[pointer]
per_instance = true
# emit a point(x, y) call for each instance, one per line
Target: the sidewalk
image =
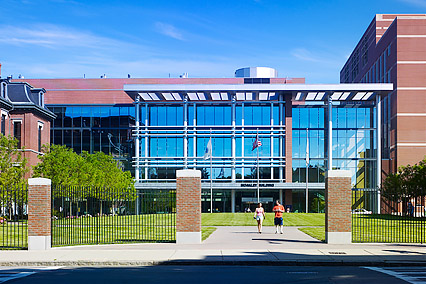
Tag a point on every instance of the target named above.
point(227, 246)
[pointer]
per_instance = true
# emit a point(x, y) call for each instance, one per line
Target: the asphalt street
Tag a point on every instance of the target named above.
point(212, 274)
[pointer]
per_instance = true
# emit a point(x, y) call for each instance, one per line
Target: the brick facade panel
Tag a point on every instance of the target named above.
point(188, 204)
point(338, 204)
point(39, 210)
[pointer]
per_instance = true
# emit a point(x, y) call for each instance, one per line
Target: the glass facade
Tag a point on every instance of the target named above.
point(174, 135)
point(354, 143)
point(104, 128)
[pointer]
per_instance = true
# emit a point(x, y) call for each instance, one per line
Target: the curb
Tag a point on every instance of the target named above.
point(211, 263)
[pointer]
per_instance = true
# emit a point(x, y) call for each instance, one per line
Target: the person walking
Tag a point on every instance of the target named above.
point(259, 215)
point(278, 220)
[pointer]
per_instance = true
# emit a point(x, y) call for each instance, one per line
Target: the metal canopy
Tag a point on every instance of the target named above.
point(256, 92)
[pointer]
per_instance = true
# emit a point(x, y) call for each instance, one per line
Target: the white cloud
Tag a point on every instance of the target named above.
point(420, 3)
point(168, 30)
point(51, 36)
point(304, 54)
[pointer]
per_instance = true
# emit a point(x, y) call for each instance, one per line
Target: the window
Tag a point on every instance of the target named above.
point(3, 90)
point(3, 124)
point(17, 125)
point(40, 127)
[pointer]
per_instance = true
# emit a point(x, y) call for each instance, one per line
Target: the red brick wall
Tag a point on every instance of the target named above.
point(188, 204)
point(338, 204)
point(39, 214)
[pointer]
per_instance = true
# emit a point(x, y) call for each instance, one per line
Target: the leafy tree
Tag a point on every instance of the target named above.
point(65, 167)
point(97, 175)
point(408, 182)
point(13, 165)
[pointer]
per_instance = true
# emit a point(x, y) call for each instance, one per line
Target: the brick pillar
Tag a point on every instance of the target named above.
point(39, 213)
point(188, 206)
point(338, 219)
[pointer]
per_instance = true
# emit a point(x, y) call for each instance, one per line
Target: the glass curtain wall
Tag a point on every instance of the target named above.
point(176, 136)
point(103, 128)
point(354, 147)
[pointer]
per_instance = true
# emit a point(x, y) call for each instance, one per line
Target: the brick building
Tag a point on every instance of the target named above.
point(393, 50)
point(25, 117)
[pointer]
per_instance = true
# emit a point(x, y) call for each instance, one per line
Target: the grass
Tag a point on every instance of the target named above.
point(315, 232)
point(14, 235)
point(380, 229)
point(206, 232)
point(246, 219)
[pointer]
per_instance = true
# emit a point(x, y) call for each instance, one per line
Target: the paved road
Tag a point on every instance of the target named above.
point(206, 275)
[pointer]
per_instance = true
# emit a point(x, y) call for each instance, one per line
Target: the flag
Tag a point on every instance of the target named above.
point(208, 152)
point(256, 143)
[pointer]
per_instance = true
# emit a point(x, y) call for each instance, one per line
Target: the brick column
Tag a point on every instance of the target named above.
point(338, 219)
point(39, 213)
point(188, 206)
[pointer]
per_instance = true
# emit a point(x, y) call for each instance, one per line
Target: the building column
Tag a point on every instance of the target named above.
point(379, 151)
point(289, 197)
point(338, 201)
point(185, 132)
point(281, 197)
point(188, 207)
point(281, 132)
point(137, 141)
point(146, 141)
point(288, 138)
point(330, 134)
point(233, 114)
point(272, 139)
point(233, 200)
point(39, 214)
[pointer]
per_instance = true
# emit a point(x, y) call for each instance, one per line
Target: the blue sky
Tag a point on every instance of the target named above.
point(67, 39)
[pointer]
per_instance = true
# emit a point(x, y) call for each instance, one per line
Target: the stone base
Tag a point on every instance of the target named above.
point(39, 242)
point(338, 237)
point(188, 238)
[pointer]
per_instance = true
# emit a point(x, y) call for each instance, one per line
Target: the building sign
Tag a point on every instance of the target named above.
point(255, 185)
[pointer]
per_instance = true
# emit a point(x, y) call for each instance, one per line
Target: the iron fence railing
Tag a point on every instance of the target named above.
point(13, 217)
point(381, 219)
point(93, 215)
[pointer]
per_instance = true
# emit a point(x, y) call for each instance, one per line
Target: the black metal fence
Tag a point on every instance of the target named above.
point(92, 215)
point(13, 217)
point(376, 218)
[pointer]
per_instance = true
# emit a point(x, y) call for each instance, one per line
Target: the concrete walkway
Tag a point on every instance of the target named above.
point(229, 246)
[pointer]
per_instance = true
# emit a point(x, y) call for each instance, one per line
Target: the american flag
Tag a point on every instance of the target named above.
point(256, 143)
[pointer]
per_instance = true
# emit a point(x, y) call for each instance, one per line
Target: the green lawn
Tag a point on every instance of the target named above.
point(246, 219)
point(206, 232)
point(380, 229)
point(14, 235)
point(315, 232)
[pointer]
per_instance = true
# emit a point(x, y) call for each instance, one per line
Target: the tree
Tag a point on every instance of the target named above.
point(97, 176)
point(65, 167)
point(408, 182)
point(13, 166)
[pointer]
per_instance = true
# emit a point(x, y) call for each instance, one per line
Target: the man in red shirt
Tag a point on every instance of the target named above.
point(278, 221)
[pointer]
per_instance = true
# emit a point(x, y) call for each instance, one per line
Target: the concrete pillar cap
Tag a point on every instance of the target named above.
point(188, 173)
point(338, 173)
point(39, 181)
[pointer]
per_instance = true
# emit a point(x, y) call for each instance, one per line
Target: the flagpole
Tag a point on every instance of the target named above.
point(258, 191)
point(307, 176)
point(211, 173)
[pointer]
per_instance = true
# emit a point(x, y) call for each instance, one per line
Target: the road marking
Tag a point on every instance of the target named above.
point(16, 273)
point(6, 276)
point(404, 273)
